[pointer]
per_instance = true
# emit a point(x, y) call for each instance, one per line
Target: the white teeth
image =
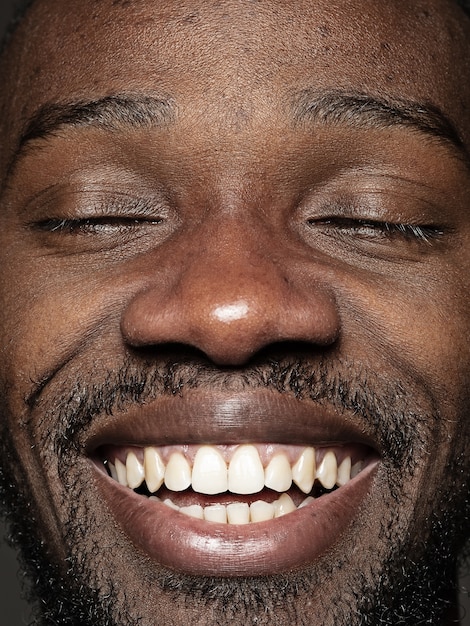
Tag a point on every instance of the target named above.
point(344, 472)
point(135, 471)
point(261, 511)
point(177, 473)
point(216, 513)
point(238, 513)
point(284, 505)
point(328, 471)
point(209, 471)
point(170, 504)
point(112, 471)
point(245, 475)
point(307, 501)
point(303, 472)
point(278, 474)
point(245, 472)
point(121, 473)
point(194, 510)
point(154, 469)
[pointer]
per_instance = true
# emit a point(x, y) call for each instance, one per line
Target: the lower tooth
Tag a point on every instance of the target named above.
point(261, 511)
point(170, 504)
point(283, 505)
point(216, 513)
point(194, 510)
point(238, 513)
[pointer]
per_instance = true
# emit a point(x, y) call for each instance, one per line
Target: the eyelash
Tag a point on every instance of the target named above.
point(389, 230)
point(367, 229)
point(93, 225)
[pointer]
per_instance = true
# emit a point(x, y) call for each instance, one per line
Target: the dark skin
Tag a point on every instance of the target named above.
point(242, 221)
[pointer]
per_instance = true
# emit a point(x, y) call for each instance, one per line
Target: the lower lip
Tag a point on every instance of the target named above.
point(197, 547)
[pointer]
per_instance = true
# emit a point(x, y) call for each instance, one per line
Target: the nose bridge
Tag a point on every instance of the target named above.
point(235, 263)
point(231, 298)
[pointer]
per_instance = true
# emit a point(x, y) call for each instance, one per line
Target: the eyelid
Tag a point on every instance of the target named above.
point(74, 207)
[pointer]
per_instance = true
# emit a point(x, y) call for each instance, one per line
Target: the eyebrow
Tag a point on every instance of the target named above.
point(357, 110)
point(111, 113)
point(363, 111)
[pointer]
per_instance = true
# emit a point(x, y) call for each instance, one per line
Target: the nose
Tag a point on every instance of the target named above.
point(231, 297)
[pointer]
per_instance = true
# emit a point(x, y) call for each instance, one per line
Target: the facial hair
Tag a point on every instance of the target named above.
point(405, 590)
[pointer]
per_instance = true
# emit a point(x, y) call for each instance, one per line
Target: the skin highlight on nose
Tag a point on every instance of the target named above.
point(227, 313)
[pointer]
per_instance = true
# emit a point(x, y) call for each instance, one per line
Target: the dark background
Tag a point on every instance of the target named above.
point(14, 611)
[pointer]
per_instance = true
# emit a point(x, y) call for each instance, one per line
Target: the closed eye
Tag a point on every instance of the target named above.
point(96, 225)
point(372, 229)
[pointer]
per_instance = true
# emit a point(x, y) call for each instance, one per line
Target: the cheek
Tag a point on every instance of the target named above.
point(47, 314)
point(415, 320)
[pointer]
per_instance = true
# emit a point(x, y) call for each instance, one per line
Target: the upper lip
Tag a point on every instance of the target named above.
point(199, 417)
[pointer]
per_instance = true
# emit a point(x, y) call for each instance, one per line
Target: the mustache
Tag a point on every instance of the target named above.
point(393, 412)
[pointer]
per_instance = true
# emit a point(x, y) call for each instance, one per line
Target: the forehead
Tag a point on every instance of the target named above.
point(236, 57)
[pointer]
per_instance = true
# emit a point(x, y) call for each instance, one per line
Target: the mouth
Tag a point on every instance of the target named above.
point(235, 484)
point(194, 503)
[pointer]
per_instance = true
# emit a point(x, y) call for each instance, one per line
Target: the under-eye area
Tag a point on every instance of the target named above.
point(235, 484)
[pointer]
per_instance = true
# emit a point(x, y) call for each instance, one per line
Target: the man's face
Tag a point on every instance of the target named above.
point(238, 234)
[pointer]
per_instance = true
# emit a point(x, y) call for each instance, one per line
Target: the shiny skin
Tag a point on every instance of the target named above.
point(253, 232)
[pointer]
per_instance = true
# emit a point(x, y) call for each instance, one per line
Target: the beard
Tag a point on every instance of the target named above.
point(413, 585)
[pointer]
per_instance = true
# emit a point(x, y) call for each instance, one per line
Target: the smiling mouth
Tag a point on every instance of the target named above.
point(244, 484)
point(235, 484)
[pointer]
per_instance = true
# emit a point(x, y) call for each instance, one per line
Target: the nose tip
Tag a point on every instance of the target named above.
point(230, 289)
point(230, 328)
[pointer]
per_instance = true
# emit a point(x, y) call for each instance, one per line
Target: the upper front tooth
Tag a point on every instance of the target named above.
point(327, 473)
point(209, 471)
point(246, 472)
point(135, 471)
point(154, 469)
point(303, 472)
point(177, 473)
point(278, 474)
